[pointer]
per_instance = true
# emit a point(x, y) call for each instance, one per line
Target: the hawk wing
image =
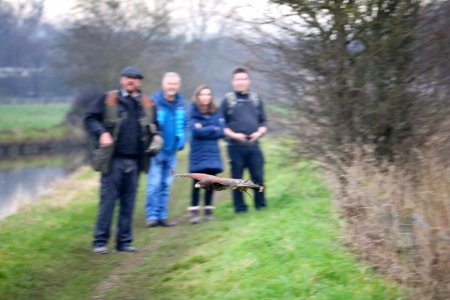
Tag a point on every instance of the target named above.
point(198, 176)
point(218, 183)
point(214, 184)
point(241, 184)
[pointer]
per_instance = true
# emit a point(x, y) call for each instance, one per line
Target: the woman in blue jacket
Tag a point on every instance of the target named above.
point(207, 127)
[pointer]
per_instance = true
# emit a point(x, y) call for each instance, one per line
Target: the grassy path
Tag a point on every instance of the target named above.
point(289, 251)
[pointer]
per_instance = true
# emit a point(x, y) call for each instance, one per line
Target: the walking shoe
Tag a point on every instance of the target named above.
point(100, 249)
point(166, 223)
point(209, 213)
point(152, 223)
point(126, 249)
point(194, 211)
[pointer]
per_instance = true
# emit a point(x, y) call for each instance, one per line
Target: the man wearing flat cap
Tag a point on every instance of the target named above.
point(123, 125)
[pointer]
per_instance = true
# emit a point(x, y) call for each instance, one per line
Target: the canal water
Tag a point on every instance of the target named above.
point(23, 180)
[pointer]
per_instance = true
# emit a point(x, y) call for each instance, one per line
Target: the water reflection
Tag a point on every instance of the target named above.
point(23, 181)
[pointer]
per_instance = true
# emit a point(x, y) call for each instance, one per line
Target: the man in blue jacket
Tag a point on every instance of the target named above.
point(171, 117)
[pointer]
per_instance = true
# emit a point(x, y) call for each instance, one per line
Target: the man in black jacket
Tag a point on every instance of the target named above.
point(245, 124)
point(120, 121)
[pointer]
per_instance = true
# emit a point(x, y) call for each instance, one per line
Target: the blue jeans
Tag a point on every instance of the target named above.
point(120, 183)
point(159, 181)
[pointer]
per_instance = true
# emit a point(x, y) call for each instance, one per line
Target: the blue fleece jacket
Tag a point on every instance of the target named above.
point(171, 116)
point(206, 130)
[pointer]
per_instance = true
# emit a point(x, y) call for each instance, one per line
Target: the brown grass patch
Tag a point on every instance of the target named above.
point(397, 218)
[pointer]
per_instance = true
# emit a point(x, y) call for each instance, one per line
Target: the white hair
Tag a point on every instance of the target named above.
point(171, 75)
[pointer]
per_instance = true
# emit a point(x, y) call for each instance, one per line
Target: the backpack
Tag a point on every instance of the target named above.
point(232, 101)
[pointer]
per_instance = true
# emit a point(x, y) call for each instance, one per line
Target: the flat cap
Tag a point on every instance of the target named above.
point(131, 72)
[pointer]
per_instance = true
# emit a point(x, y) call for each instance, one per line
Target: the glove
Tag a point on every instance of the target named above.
point(156, 145)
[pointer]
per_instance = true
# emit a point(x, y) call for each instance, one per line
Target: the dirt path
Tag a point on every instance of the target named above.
point(135, 259)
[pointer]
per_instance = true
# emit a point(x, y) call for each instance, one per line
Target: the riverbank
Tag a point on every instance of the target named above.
point(23, 180)
point(24, 122)
point(292, 250)
point(69, 141)
point(31, 129)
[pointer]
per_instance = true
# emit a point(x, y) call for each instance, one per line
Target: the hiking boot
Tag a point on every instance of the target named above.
point(152, 223)
point(261, 207)
point(100, 249)
point(166, 223)
point(195, 214)
point(126, 248)
point(208, 212)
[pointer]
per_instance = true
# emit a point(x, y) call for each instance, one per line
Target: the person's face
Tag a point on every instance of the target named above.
point(204, 97)
point(240, 82)
point(130, 84)
point(170, 86)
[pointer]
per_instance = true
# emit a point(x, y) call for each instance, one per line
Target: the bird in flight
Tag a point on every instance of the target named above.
point(214, 183)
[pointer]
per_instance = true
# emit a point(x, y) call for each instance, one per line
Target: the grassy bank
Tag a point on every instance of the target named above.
point(289, 251)
point(69, 159)
point(32, 122)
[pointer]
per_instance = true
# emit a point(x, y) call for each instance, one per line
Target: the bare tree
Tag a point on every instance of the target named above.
point(365, 85)
point(19, 24)
point(104, 37)
point(347, 68)
point(24, 45)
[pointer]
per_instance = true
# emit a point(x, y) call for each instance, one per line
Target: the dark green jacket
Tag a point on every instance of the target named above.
point(131, 122)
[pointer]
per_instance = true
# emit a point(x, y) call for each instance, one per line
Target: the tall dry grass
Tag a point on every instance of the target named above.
point(397, 217)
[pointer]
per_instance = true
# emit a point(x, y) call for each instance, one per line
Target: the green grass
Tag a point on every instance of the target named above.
point(45, 251)
point(289, 251)
point(32, 121)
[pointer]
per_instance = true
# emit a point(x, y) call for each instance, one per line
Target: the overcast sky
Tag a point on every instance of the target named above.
point(56, 11)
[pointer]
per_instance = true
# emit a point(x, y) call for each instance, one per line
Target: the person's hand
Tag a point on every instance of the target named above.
point(156, 145)
point(239, 137)
point(254, 136)
point(105, 140)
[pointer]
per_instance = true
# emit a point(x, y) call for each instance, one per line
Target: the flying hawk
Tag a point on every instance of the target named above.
point(214, 183)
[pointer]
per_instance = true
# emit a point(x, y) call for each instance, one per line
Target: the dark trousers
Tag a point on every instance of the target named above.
point(196, 191)
point(250, 157)
point(119, 183)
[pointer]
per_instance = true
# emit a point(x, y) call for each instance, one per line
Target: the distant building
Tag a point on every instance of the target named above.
point(17, 72)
